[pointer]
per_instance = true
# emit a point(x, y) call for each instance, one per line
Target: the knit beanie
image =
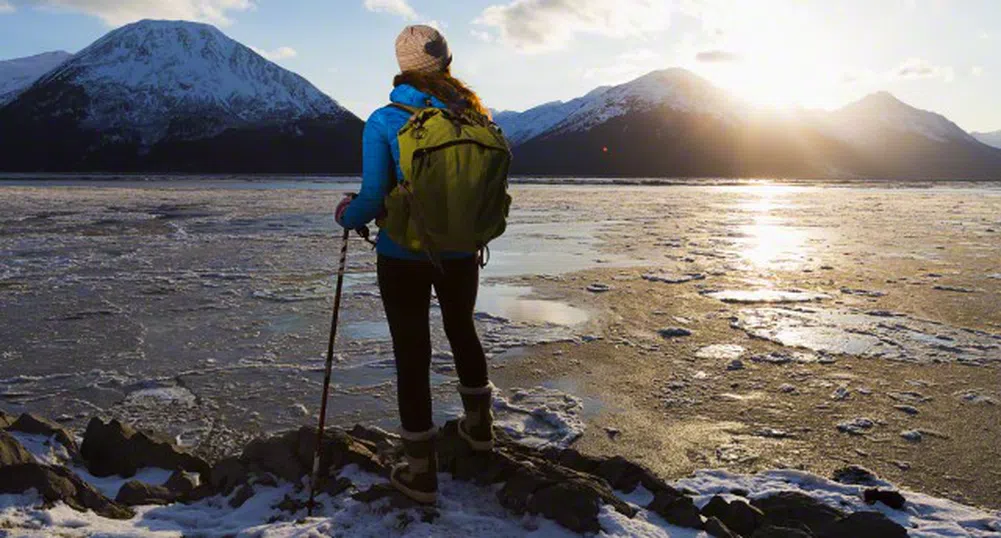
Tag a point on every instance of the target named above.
point(422, 49)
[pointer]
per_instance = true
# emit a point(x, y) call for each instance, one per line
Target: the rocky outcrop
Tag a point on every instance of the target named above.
point(5, 420)
point(11, 451)
point(135, 493)
point(113, 448)
point(33, 424)
point(563, 485)
point(58, 484)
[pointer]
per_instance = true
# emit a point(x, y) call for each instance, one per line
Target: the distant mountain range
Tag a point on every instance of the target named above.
point(183, 97)
point(675, 123)
point(175, 97)
point(18, 74)
point(991, 139)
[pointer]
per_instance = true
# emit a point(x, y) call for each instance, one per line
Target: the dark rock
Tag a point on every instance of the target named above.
point(242, 495)
point(114, 448)
point(890, 498)
point(674, 332)
point(518, 490)
point(336, 486)
point(203, 491)
point(737, 515)
point(620, 473)
point(577, 461)
point(180, 484)
point(278, 455)
point(338, 450)
point(676, 510)
point(11, 451)
point(771, 531)
point(718, 529)
point(57, 484)
point(5, 420)
point(864, 525)
point(227, 474)
point(135, 493)
point(382, 439)
point(795, 510)
point(33, 424)
point(571, 504)
point(855, 475)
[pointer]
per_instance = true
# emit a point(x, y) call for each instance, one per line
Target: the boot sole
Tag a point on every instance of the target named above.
point(478, 446)
point(422, 497)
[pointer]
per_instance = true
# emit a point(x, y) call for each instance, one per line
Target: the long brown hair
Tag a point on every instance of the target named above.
point(448, 89)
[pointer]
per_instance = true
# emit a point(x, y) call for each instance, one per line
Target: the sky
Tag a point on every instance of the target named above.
point(938, 55)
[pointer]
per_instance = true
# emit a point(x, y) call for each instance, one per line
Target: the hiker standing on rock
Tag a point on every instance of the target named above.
point(435, 174)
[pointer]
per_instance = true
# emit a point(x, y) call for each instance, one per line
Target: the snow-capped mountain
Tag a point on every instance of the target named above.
point(159, 93)
point(19, 73)
point(992, 139)
point(870, 118)
point(675, 123)
point(519, 127)
point(141, 77)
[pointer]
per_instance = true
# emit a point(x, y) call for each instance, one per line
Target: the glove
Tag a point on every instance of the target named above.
point(342, 207)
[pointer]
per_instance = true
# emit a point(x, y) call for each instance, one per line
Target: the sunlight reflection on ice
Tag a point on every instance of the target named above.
point(771, 243)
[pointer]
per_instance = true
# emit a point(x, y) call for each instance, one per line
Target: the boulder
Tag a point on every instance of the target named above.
point(136, 493)
point(11, 451)
point(794, 510)
point(33, 424)
point(114, 448)
point(278, 455)
point(58, 484)
point(5, 420)
point(771, 531)
point(717, 528)
point(855, 475)
point(864, 525)
point(571, 504)
point(890, 498)
point(181, 484)
point(227, 474)
point(737, 515)
point(676, 509)
point(242, 495)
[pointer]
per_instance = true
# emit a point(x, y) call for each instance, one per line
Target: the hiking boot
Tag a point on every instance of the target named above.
point(417, 476)
point(477, 426)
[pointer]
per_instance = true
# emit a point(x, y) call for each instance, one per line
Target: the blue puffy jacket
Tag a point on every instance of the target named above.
point(381, 168)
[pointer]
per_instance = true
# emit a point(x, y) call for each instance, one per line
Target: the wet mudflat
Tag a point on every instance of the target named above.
point(744, 327)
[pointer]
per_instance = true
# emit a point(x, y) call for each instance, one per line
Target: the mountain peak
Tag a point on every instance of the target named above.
point(19, 73)
point(141, 78)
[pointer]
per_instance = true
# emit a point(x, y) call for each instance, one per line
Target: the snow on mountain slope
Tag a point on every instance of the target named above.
point(868, 119)
point(19, 73)
point(157, 79)
point(992, 139)
point(674, 88)
point(523, 126)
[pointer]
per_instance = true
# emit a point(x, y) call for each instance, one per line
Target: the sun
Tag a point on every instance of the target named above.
point(779, 57)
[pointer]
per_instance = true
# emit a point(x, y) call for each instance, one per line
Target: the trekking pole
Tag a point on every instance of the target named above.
point(326, 377)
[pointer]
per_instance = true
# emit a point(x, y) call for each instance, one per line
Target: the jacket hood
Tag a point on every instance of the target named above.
point(405, 94)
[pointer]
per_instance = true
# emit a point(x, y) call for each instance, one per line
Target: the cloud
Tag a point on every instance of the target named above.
point(119, 12)
point(977, 70)
point(543, 25)
point(916, 68)
point(6, 7)
point(281, 53)
point(393, 7)
point(718, 56)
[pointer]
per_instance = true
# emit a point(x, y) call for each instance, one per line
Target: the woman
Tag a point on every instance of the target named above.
point(406, 277)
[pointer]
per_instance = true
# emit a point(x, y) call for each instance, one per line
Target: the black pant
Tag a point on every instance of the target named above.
point(405, 286)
